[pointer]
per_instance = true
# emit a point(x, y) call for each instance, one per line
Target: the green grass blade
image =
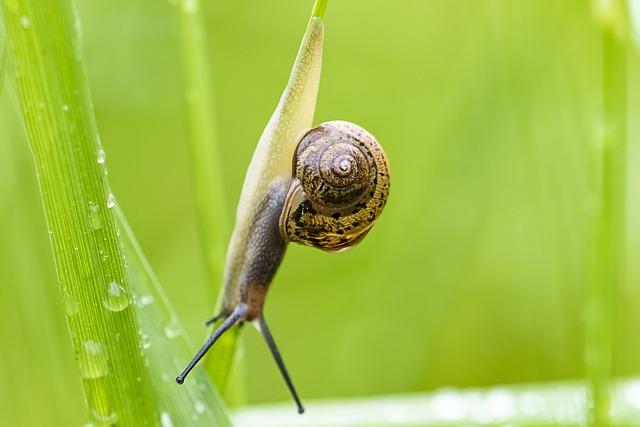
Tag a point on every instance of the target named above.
point(608, 215)
point(211, 208)
point(3, 51)
point(165, 346)
point(40, 352)
point(89, 259)
point(318, 8)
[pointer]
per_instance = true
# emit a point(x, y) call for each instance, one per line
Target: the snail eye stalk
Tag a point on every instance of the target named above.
point(261, 325)
point(237, 314)
point(215, 318)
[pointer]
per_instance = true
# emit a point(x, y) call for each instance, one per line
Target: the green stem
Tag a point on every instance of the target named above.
point(89, 259)
point(319, 8)
point(3, 51)
point(211, 208)
point(607, 247)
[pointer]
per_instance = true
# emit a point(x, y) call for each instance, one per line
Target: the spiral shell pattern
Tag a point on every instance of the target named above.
point(340, 185)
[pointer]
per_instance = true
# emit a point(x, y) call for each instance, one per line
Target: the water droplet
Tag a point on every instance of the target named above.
point(104, 419)
point(117, 298)
point(102, 156)
point(92, 360)
point(25, 21)
point(145, 300)
point(172, 329)
point(199, 407)
point(165, 420)
point(145, 341)
point(111, 201)
point(65, 108)
point(94, 212)
point(70, 305)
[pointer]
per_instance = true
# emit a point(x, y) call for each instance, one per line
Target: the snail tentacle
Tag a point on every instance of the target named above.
point(261, 325)
point(238, 314)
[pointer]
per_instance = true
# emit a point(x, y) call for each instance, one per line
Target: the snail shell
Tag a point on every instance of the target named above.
point(340, 185)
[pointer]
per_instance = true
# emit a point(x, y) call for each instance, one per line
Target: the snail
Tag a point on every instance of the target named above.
point(337, 189)
point(323, 187)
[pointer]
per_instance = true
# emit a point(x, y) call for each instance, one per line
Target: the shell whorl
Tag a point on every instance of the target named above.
point(340, 185)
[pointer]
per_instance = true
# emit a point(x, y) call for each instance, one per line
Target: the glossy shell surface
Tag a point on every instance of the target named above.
point(340, 186)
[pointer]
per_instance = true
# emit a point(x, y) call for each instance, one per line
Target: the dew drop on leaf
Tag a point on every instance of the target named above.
point(104, 419)
point(117, 298)
point(145, 300)
point(92, 360)
point(101, 156)
point(172, 329)
point(145, 341)
point(94, 213)
point(70, 304)
point(111, 201)
point(199, 407)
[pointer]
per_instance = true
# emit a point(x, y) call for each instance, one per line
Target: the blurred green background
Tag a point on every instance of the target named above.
point(474, 275)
